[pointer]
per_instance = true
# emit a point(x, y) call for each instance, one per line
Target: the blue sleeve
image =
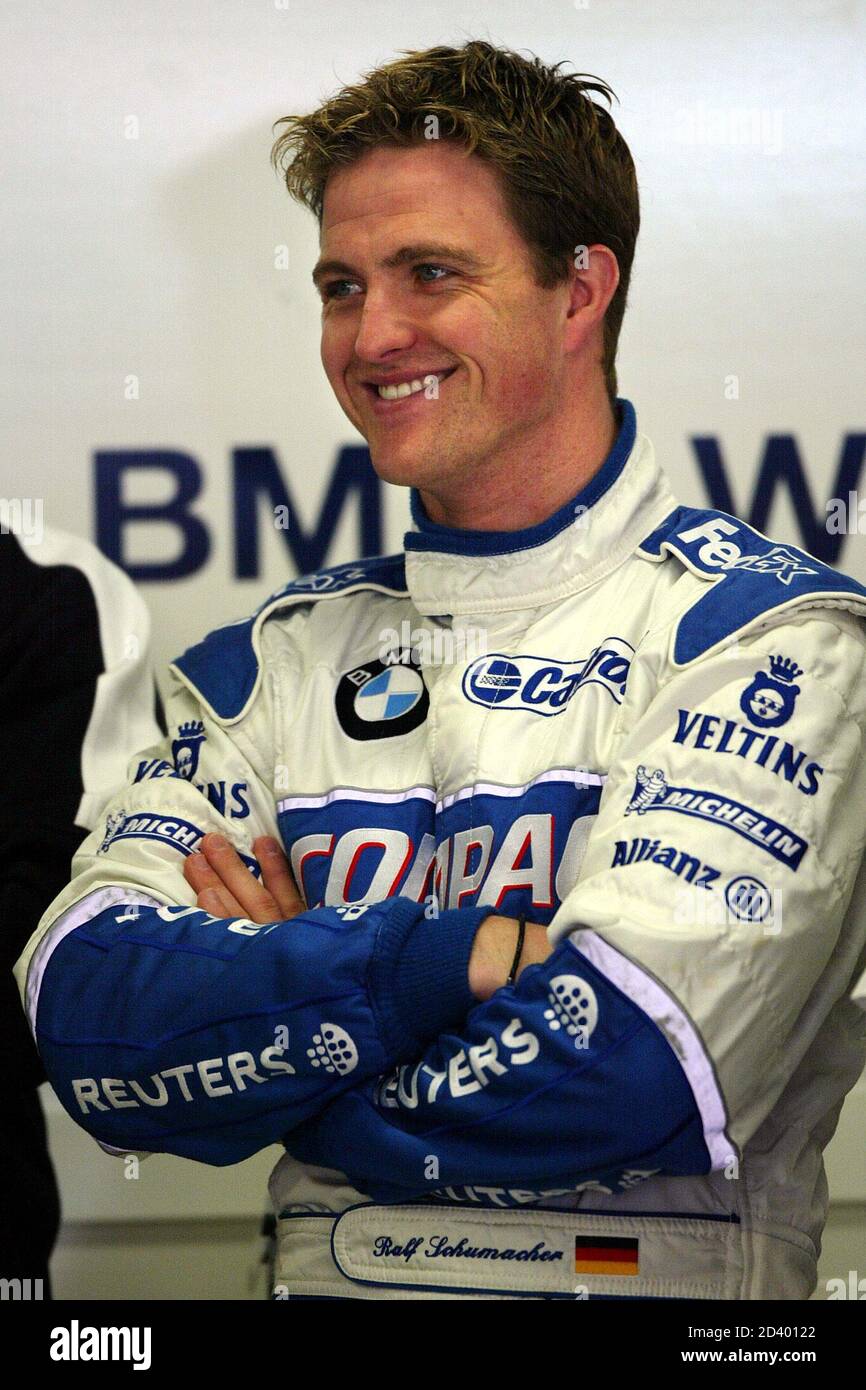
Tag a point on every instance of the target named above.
point(558, 1081)
point(169, 1030)
point(344, 1033)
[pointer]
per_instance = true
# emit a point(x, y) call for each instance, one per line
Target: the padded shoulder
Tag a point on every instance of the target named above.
point(223, 670)
point(748, 578)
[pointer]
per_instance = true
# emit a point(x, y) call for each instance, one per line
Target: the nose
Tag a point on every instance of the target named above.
point(384, 327)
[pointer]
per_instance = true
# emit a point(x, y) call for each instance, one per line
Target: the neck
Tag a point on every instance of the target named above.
point(527, 483)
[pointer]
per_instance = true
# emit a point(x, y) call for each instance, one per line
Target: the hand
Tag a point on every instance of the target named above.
point(225, 887)
point(493, 953)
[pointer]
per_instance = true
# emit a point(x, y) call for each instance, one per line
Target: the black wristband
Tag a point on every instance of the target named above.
point(521, 933)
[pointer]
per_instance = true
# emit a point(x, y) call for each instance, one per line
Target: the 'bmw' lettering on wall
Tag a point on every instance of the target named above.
point(382, 699)
point(544, 685)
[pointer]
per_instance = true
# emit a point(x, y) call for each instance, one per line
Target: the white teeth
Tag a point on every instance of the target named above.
point(406, 388)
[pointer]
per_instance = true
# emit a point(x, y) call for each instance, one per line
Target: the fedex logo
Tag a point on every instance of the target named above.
point(710, 546)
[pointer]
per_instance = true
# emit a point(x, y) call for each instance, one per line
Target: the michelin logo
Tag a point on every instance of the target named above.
point(652, 793)
point(182, 835)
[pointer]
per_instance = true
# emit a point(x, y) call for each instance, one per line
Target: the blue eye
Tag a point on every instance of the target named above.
point(428, 266)
point(333, 289)
point(329, 290)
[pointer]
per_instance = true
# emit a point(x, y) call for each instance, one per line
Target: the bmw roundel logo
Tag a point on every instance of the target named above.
point(382, 699)
point(492, 680)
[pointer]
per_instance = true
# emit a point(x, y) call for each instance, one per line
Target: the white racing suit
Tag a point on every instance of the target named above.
point(638, 722)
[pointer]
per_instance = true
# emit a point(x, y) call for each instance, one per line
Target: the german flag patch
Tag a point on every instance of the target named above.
point(605, 1255)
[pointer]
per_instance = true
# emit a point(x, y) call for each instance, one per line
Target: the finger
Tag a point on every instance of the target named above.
point(198, 873)
point(217, 904)
point(234, 877)
point(278, 877)
point(203, 879)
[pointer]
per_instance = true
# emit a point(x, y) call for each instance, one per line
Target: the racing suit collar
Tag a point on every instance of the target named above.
point(449, 570)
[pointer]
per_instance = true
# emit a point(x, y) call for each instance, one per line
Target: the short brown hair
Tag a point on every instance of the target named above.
point(566, 173)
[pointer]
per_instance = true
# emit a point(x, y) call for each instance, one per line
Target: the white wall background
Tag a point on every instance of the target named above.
point(154, 257)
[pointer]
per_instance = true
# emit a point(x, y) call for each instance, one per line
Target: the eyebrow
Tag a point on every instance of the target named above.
point(422, 251)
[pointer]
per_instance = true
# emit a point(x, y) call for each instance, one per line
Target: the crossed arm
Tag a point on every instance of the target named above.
point(188, 1021)
point(507, 1097)
point(226, 888)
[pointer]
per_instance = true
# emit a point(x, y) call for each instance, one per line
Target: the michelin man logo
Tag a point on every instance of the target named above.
point(112, 825)
point(333, 1050)
point(186, 747)
point(574, 1008)
point(648, 787)
point(769, 700)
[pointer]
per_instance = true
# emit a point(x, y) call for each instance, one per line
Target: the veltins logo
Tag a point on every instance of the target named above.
point(769, 700)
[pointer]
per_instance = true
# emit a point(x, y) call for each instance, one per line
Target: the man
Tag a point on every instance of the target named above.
point(566, 1012)
point(77, 697)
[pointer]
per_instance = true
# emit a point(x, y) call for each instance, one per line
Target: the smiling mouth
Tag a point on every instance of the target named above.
point(400, 391)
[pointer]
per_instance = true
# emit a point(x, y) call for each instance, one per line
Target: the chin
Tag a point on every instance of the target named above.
point(399, 471)
point(394, 460)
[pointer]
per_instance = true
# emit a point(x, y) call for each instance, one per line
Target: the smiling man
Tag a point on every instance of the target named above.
point(469, 380)
point(538, 962)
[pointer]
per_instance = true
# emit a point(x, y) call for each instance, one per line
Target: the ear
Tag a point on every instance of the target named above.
point(593, 279)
